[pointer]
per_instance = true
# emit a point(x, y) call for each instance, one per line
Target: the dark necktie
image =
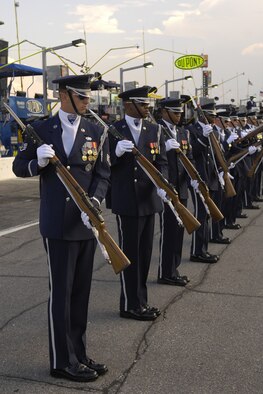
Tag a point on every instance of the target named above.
point(136, 122)
point(72, 118)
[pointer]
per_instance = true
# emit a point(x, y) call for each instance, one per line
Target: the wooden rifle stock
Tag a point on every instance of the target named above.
point(190, 222)
point(255, 164)
point(215, 213)
point(229, 188)
point(115, 256)
point(250, 135)
point(238, 156)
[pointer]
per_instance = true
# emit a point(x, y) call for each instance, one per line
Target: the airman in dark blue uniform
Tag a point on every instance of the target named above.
point(69, 244)
point(172, 233)
point(199, 133)
point(134, 199)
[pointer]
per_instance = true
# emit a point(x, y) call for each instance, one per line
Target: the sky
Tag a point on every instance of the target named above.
point(228, 31)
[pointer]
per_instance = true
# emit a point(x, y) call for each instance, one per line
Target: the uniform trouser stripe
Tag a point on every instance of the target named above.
point(200, 237)
point(70, 265)
point(161, 244)
point(119, 224)
point(135, 238)
point(245, 198)
point(195, 202)
point(51, 323)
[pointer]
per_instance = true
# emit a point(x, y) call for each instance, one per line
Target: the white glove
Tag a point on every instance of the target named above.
point(162, 194)
point(207, 129)
point(221, 178)
point(252, 149)
point(232, 138)
point(44, 153)
point(85, 220)
point(243, 133)
point(123, 146)
point(171, 144)
point(195, 184)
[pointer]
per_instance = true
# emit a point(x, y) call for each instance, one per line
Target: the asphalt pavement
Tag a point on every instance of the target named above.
point(208, 339)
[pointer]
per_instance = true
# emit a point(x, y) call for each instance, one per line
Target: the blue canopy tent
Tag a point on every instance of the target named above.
point(24, 107)
point(18, 70)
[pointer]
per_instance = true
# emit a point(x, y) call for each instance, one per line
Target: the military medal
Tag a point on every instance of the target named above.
point(89, 152)
point(184, 146)
point(154, 150)
point(86, 151)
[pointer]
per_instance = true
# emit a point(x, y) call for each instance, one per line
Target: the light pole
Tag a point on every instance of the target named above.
point(111, 49)
point(206, 87)
point(74, 43)
point(187, 78)
point(122, 70)
point(16, 5)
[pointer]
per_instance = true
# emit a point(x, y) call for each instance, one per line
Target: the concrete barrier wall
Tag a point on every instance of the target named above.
point(6, 168)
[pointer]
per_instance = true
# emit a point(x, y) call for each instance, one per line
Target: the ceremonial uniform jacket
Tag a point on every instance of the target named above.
point(177, 174)
point(203, 156)
point(248, 159)
point(59, 216)
point(231, 149)
point(132, 191)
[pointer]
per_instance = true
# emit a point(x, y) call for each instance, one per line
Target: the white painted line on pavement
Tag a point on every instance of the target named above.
point(17, 228)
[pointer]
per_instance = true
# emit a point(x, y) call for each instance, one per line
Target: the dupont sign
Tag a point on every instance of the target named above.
point(188, 62)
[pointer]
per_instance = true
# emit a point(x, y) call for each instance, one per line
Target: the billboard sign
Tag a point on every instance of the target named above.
point(189, 62)
point(26, 107)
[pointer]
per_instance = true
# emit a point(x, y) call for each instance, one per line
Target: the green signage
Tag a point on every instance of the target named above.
point(188, 62)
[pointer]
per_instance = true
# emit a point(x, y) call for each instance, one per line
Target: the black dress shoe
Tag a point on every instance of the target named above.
point(78, 373)
point(139, 314)
point(153, 309)
point(221, 240)
point(252, 206)
point(101, 369)
point(204, 258)
point(175, 281)
point(233, 226)
point(242, 216)
point(215, 256)
point(181, 280)
point(186, 278)
point(258, 199)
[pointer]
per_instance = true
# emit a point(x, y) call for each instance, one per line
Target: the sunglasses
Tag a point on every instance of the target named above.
point(80, 97)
